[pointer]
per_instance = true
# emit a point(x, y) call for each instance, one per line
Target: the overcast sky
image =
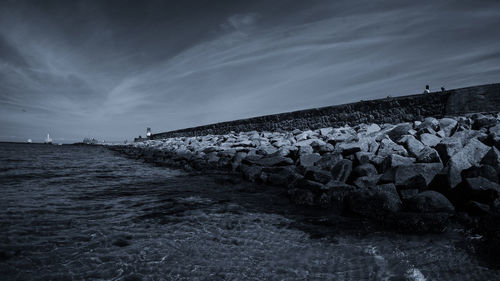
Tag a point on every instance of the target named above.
point(109, 69)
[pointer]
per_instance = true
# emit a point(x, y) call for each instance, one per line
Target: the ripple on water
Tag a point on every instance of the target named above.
point(122, 219)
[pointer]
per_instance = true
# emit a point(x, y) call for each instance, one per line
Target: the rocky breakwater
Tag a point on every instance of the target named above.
point(413, 176)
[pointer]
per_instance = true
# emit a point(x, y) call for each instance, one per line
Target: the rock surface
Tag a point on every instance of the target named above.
point(369, 170)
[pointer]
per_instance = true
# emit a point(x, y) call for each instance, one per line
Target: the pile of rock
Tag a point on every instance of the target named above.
point(423, 169)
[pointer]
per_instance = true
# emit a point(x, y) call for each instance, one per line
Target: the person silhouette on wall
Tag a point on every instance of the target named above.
point(427, 90)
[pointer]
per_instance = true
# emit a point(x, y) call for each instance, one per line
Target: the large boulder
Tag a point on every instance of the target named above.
point(362, 143)
point(308, 160)
point(470, 155)
point(325, 131)
point(429, 122)
point(251, 173)
point(375, 202)
point(328, 160)
point(429, 202)
point(476, 189)
point(492, 157)
point(338, 192)
point(430, 139)
point(397, 132)
point(395, 160)
point(428, 155)
point(317, 174)
point(413, 145)
point(486, 171)
point(428, 171)
point(363, 157)
point(342, 170)
point(449, 147)
point(313, 186)
point(447, 125)
point(481, 121)
point(367, 181)
point(388, 147)
point(266, 150)
point(364, 170)
point(274, 161)
point(281, 176)
point(476, 209)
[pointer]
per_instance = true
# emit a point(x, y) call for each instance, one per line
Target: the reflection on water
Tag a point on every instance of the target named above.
point(86, 213)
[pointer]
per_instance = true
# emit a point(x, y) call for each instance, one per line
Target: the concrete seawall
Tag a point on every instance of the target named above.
point(483, 98)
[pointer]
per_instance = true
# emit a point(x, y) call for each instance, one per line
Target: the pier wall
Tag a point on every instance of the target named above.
point(483, 98)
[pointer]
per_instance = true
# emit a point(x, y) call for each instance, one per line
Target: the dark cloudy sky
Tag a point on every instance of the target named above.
point(110, 69)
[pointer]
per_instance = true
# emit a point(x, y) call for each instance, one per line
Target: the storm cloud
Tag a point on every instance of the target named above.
point(109, 69)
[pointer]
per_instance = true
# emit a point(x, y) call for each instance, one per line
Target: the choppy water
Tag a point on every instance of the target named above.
point(85, 213)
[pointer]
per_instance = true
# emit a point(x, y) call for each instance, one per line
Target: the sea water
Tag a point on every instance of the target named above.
point(86, 213)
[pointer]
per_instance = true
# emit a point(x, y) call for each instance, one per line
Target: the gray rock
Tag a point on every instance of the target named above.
point(375, 202)
point(364, 170)
point(274, 161)
point(485, 171)
point(467, 135)
point(395, 160)
point(388, 147)
point(313, 186)
point(281, 176)
point(326, 148)
point(325, 131)
point(492, 157)
point(328, 160)
point(367, 181)
point(469, 156)
point(397, 132)
point(449, 147)
point(406, 194)
point(251, 173)
point(426, 170)
point(317, 174)
point(363, 157)
point(342, 170)
point(417, 182)
point(212, 157)
point(413, 145)
point(495, 130)
point(429, 202)
point(441, 134)
point(266, 150)
point(308, 160)
point(430, 139)
point(477, 189)
point(476, 209)
point(337, 193)
point(349, 148)
point(429, 122)
point(484, 122)
point(428, 155)
point(447, 125)
point(373, 128)
point(305, 149)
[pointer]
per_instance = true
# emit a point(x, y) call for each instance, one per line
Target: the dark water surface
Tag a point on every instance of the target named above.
point(85, 213)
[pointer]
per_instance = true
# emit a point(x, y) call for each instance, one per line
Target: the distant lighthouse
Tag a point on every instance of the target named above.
point(48, 140)
point(148, 132)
